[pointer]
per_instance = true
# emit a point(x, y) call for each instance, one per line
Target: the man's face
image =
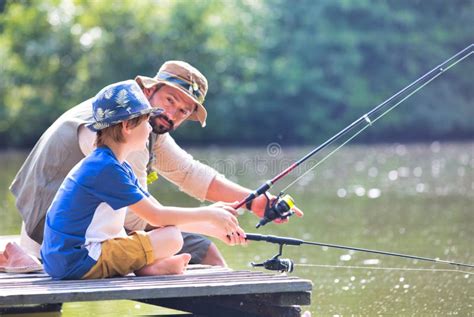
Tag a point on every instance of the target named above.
point(176, 105)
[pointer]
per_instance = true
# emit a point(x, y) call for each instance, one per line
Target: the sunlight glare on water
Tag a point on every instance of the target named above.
point(371, 262)
point(341, 193)
point(393, 175)
point(424, 197)
point(345, 257)
point(359, 191)
point(374, 193)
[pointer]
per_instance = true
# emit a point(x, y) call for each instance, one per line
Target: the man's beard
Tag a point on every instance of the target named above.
point(159, 128)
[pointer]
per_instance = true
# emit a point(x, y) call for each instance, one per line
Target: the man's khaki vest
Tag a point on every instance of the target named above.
point(48, 164)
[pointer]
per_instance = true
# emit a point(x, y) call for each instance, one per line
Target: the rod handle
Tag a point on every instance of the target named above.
point(273, 239)
point(262, 189)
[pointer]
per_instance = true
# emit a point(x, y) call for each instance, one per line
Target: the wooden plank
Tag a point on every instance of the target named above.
point(278, 299)
point(47, 295)
point(26, 279)
point(229, 306)
point(273, 299)
point(189, 277)
point(206, 290)
point(43, 290)
point(30, 309)
point(17, 276)
point(134, 283)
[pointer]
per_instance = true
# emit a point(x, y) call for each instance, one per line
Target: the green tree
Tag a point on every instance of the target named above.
point(287, 71)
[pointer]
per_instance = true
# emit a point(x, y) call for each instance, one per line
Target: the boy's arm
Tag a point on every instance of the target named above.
point(208, 229)
point(219, 218)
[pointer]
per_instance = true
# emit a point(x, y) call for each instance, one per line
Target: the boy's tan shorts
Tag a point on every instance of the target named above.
point(121, 256)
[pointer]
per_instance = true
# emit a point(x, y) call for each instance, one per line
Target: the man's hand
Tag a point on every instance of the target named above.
point(259, 204)
point(222, 189)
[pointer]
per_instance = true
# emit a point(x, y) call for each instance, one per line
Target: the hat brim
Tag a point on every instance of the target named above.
point(96, 126)
point(199, 115)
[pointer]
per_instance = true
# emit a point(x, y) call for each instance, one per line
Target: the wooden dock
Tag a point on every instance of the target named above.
point(202, 291)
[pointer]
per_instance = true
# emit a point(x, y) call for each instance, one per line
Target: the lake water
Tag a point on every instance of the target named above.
point(412, 199)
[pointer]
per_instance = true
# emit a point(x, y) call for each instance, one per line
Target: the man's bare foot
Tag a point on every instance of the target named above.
point(14, 259)
point(175, 264)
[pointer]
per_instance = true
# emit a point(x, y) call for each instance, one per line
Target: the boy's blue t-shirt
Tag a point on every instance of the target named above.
point(88, 209)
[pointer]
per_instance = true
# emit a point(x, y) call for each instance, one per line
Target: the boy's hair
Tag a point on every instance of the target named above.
point(114, 133)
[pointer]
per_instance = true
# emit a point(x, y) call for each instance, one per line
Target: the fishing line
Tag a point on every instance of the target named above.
point(286, 265)
point(280, 207)
point(370, 122)
point(381, 268)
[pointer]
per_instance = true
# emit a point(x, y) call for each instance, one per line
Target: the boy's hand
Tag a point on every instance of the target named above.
point(222, 217)
point(238, 238)
point(227, 206)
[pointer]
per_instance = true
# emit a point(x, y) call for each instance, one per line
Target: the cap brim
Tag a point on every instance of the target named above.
point(199, 115)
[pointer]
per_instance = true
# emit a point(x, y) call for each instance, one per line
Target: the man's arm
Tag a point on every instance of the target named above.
point(179, 167)
point(222, 189)
point(86, 139)
point(200, 180)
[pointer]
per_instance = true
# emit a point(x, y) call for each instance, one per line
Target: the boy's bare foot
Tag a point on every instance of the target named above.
point(14, 259)
point(175, 264)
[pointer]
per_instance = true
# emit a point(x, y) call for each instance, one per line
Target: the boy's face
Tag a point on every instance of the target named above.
point(139, 135)
point(177, 108)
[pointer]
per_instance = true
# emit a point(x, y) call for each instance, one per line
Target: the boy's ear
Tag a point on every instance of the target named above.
point(126, 129)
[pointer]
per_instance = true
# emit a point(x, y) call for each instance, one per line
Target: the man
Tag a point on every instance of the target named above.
point(179, 89)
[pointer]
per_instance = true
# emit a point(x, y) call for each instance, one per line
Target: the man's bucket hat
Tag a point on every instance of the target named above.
point(117, 103)
point(187, 79)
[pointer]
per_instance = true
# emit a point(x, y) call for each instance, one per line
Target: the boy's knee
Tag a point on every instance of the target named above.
point(176, 237)
point(167, 238)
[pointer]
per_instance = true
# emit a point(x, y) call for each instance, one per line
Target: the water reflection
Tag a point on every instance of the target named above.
point(371, 262)
point(374, 193)
point(345, 257)
point(412, 199)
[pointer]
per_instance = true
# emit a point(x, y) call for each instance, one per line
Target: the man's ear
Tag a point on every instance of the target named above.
point(148, 91)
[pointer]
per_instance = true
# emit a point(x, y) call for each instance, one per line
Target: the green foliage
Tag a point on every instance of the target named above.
point(288, 71)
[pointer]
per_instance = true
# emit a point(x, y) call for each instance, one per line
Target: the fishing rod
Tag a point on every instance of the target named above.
point(287, 265)
point(280, 207)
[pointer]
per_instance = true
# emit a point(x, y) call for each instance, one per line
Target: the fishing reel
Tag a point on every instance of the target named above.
point(277, 264)
point(279, 208)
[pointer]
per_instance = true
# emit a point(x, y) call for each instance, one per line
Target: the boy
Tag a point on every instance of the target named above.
point(84, 235)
